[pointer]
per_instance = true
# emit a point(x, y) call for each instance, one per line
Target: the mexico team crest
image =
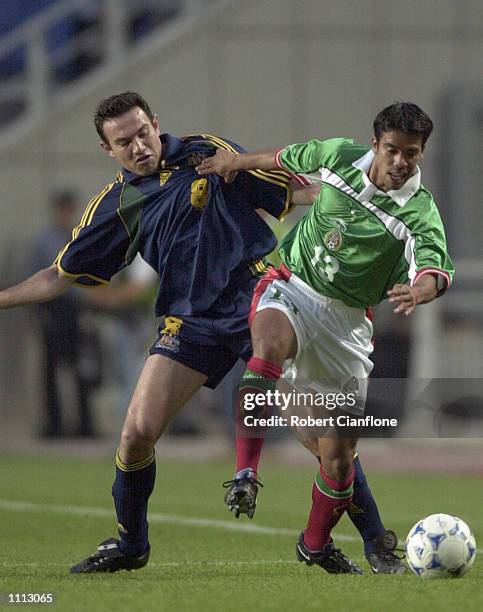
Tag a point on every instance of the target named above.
point(333, 240)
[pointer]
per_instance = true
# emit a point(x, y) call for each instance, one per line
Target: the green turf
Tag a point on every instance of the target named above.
point(201, 568)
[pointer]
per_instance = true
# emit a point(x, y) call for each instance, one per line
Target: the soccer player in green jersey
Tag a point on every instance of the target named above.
point(374, 232)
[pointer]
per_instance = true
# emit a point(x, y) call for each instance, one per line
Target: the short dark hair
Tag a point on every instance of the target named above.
point(117, 105)
point(405, 117)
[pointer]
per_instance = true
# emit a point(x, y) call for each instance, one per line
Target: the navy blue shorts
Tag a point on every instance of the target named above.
point(210, 343)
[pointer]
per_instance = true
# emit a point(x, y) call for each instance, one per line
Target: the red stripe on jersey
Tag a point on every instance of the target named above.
point(424, 271)
point(277, 159)
point(301, 180)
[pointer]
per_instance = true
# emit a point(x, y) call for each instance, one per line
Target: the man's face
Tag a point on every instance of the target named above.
point(397, 155)
point(134, 141)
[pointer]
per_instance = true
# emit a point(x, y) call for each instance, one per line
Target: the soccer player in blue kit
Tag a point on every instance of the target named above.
point(207, 242)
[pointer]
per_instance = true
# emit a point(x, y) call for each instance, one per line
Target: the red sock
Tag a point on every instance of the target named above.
point(259, 376)
point(329, 502)
point(248, 451)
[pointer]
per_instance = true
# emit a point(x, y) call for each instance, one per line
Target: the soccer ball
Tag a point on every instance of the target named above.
point(440, 546)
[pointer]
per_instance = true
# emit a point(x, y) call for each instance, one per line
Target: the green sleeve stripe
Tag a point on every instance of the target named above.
point(130, 208)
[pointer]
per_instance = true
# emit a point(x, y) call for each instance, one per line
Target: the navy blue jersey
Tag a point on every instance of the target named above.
point(198, 233)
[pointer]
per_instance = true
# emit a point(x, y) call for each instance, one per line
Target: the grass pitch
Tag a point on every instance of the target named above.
point(53, 512)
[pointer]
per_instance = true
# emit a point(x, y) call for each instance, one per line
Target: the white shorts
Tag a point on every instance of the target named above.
point(333, 340)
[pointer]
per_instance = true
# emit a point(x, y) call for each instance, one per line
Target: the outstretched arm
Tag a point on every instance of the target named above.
point(303, 196)
point(228, 164)
point(224, 162)
point(42, 286)
point(407, 298)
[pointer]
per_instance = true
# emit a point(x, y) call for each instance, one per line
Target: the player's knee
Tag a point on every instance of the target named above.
point(271, 347)
point(138, 439)
point(338, 467)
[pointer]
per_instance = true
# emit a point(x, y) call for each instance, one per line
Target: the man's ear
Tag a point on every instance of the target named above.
point(155, 123)
point(106, 148)
point(375, 144)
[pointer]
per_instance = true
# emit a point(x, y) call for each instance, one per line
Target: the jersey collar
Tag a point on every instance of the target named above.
point(400, 196)
point(171, 146)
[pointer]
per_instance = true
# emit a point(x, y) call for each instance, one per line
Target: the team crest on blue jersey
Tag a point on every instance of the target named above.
point(164, 177)
point(333, 240)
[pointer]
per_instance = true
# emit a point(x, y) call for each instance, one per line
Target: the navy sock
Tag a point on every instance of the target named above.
point(363, 510)
point(132, 487)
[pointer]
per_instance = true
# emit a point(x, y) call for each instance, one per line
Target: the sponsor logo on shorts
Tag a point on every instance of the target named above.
point(168, 342)
point(277, 296)
point(351, 385)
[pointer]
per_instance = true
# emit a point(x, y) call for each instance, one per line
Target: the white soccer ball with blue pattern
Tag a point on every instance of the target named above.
point(440, 546)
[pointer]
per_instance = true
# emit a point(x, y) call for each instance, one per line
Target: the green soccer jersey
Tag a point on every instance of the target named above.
point(356, 242)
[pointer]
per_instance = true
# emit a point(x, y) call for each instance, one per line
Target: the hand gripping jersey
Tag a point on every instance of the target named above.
point(356, 242)
point(198, 233)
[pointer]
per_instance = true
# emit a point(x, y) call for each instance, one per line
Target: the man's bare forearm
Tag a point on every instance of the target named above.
point(407, 298)
point(224, 162)
point(258, 160)
point(303, 196)
point(42, 286)
point(427, 288)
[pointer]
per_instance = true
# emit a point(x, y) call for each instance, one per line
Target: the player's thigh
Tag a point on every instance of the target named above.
point(163, 388)
point(273, 336)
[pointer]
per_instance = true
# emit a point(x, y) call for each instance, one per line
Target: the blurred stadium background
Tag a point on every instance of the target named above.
point(263, 73)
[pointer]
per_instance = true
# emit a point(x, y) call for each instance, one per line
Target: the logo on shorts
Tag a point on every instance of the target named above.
point(168, 342)
point(168, 337)
point(333, 240)
point(277, 296)
point(351, 385)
